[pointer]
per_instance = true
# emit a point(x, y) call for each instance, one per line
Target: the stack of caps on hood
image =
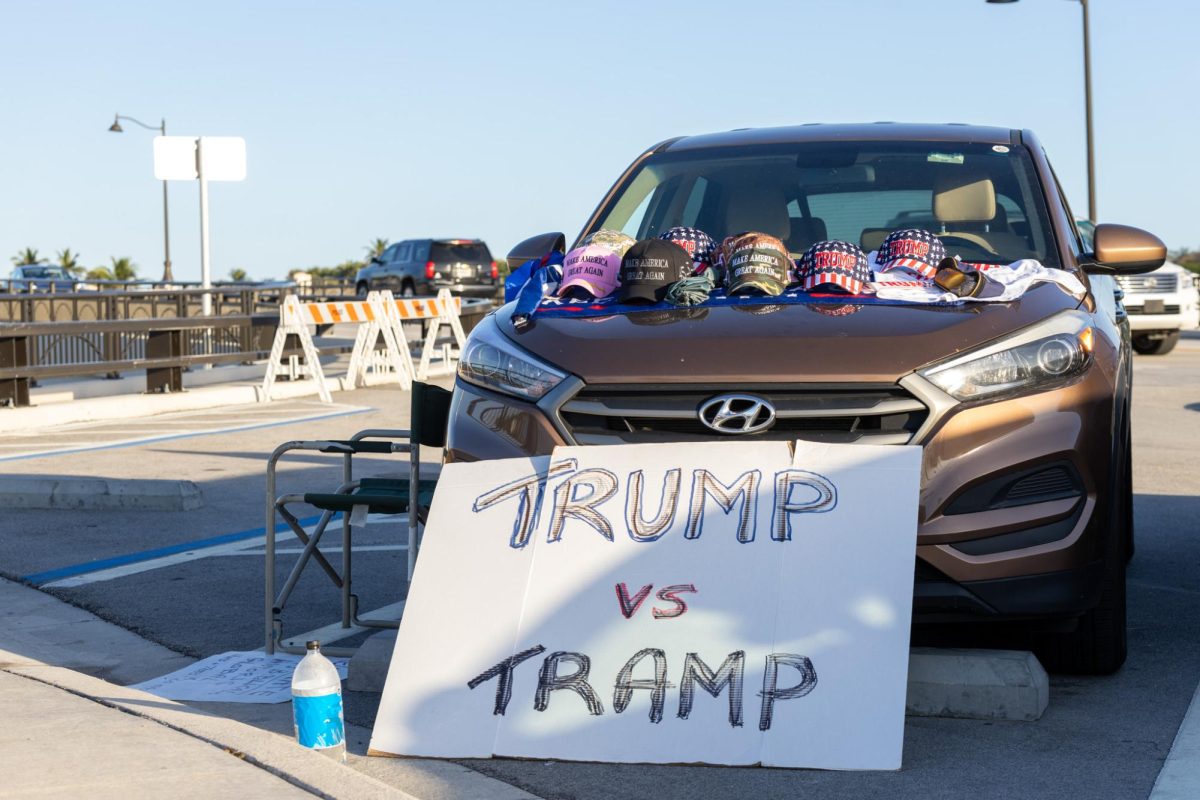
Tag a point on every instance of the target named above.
point(834, 265)
point(698, 244)
point(911, 250)
point(755, 263)
point(594, 266)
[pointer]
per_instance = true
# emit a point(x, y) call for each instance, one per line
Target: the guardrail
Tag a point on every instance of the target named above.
point(161, 347)
point(155, 301)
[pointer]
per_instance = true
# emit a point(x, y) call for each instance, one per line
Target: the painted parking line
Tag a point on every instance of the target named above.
point(231, 544)
point(334, 632)
point(1179, 778)
point(131, 563)
point(295, 551)
point(44, 452)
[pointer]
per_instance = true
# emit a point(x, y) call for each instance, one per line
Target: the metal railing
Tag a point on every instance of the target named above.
point(161, 347)
point(145, 300)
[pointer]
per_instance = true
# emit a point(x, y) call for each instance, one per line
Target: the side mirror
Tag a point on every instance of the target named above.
point(535, 247)
point(375, 260)
point(1122, 250)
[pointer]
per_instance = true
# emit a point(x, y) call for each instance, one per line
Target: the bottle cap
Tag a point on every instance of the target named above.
point(313, 645)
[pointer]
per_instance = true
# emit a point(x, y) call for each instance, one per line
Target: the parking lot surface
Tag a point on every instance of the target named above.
point(192, 580)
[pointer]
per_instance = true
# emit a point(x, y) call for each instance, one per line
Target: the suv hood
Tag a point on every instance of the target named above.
point(877, 343)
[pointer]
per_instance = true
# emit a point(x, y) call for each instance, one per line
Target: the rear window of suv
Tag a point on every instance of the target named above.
point(984, 200)
point(467, 252)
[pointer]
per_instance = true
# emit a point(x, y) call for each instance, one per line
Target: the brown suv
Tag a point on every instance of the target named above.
point(1021, 408)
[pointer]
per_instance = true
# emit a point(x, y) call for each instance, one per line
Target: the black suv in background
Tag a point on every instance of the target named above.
point(423, 266)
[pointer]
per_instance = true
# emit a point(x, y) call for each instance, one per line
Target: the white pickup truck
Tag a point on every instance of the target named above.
point(1160, 304)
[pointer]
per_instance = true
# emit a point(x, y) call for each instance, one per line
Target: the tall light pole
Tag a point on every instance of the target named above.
point(162, 129)
point(1087, 103)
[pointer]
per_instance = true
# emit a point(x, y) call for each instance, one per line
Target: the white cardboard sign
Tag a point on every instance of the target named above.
point(699, 603)
point(175, 158)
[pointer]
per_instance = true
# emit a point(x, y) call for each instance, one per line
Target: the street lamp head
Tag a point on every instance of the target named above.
point(116, 126)
point(1001, 2)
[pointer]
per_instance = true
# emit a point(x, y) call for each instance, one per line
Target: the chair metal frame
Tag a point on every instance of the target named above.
point(361, 442)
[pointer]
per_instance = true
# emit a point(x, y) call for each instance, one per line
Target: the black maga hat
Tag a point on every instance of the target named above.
point(649, 268)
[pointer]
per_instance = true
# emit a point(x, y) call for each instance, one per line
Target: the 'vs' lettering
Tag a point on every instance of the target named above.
point(668, 594)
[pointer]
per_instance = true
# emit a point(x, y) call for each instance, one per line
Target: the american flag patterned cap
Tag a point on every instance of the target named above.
point(699, 245)
point(834, 264)
point(911, 249)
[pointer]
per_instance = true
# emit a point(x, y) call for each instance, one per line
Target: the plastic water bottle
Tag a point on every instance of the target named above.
point(317, 704)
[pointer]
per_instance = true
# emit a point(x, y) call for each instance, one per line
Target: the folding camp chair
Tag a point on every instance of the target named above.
point(354, 500)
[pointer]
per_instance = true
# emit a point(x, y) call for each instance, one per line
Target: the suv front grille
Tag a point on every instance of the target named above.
point(1148, 284)
point(668, 413)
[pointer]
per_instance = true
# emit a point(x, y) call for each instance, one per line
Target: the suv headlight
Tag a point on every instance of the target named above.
point(1047, 355)
point(490, 360)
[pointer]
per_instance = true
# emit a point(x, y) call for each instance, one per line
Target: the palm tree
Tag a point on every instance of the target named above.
point(237, 274)
point(375, 248)
point(99, 274)
point(27, 256)
point(123, 269)
point(70, 262)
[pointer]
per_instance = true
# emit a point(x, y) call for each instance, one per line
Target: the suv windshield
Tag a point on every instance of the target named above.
point(983, 200)
point(468, 252)
point(43, 272)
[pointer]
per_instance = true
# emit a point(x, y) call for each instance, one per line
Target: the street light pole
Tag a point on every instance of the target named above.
point(1087, 101)
point(1087, 93)
point(162, 129)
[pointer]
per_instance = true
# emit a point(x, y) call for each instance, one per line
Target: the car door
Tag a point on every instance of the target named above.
point(399, 270)
point(380, 273)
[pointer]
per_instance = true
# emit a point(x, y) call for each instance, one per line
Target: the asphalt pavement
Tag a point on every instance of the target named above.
point(191, 581)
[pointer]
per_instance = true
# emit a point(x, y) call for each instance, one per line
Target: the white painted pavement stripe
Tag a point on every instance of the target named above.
point(334, 632)
point(358, 548)
point(176, 434)
point(1179, 778)
point(165, 561)
point(233, 548)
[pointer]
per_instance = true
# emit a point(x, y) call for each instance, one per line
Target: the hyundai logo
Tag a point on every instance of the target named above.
point(737, 413)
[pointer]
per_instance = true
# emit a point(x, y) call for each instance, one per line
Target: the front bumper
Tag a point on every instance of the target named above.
point(983, 550)
point(1163, 312)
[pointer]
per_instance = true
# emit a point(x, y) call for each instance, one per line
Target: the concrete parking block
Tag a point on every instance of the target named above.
point(976, 684)
point(967, 684)
point(49, 492)
point(369, 666)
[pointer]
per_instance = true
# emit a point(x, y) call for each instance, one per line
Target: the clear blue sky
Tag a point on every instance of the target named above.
point(500, 120)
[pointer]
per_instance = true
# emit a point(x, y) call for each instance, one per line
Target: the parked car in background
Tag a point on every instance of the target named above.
point(423, 266)
point(40, 278)
point(1160, 304)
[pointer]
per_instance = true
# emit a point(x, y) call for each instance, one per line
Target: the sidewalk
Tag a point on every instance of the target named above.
point(68, 733)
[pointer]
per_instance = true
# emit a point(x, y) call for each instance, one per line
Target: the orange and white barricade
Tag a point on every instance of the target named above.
point(294, 319)
point(445, 312)
point(395, 357)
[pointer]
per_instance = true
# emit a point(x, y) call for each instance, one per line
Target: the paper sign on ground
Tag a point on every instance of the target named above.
point(725, 604)
point(234, 677)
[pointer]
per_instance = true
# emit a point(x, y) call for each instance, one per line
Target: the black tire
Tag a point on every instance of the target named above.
point(362, 289)
point(1156, 347)
point(1098, 645)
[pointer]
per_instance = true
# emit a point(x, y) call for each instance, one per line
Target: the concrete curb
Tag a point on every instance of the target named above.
point(99, 493)
point(277, 754)
point(976, 684)
point(45, 639)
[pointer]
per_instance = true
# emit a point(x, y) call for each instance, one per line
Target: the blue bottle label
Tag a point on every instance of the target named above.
point(319, 720)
